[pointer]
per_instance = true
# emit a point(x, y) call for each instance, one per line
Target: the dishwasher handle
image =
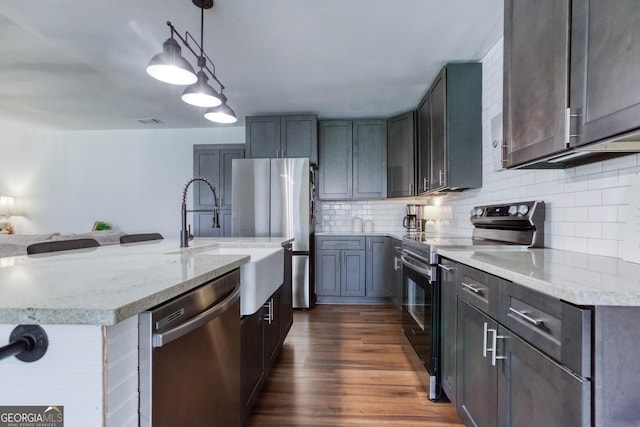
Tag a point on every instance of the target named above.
point(194, 323)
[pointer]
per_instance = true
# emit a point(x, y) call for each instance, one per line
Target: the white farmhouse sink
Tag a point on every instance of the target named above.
point(259, 278)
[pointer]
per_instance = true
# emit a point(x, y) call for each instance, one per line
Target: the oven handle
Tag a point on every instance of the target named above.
point(192, 324)
point(416, 265)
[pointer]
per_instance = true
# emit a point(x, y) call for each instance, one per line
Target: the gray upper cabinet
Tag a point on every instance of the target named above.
point(369, 159)
point(570, 80)
point(336, 151)
point(536, 79)
point(400, 155)
point(353, 159)
point(213, 163)
point(282, 136)
point(450, 131)
point(605, 64)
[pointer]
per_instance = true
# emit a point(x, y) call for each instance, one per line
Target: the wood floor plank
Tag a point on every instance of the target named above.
point(343, 365)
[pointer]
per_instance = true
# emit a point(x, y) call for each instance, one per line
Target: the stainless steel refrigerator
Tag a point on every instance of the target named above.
point(274, 198)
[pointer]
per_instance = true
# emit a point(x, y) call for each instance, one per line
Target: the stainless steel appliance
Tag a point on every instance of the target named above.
point(505, 224)
point(190, 357)
point(274, 198)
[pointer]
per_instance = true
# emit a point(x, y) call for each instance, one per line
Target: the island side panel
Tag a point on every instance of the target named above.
point(121, 380)
point(70, 374)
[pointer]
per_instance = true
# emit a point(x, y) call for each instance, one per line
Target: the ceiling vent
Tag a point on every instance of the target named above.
point(150, 121)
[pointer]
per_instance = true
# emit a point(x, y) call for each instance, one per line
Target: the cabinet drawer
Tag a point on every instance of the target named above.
point(559, 329)
point(479, 289)
point(340, 242)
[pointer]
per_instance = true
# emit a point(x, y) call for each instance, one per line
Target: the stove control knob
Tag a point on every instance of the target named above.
point(513, 209)
point(479, 211)
point(523, 209)
point(473, 212)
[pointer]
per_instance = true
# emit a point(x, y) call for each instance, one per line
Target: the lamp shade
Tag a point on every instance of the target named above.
point(201, 94)
point(169, 66)
point(222, 113)
point(7, 206)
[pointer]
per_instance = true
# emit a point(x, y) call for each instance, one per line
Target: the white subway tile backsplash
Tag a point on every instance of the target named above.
point(585, 206)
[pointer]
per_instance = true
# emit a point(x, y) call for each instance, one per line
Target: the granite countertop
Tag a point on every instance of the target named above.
point(575, 277)
point(107, 284)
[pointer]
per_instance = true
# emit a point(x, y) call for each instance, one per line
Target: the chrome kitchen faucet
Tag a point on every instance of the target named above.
point(185, 233)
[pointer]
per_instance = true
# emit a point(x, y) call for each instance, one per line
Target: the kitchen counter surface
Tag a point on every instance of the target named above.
point(107, 284)
point(575, 277)
point(379, 233)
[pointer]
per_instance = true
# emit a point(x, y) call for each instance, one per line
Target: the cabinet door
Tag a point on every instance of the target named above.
point(377, 266)
point(272, 329)
point(353, 273)
point(252, 359)
point(534, 390)
point(536, 67)
point(335, 168)
point(328, 273)
point(263, 136)
point(224, 186)
point(477, 386)
point(300, 137)
point(400, 155)
point(605, 64)
point(423, 146)
point(369, 159)
point(438, 140)
point(449, 274)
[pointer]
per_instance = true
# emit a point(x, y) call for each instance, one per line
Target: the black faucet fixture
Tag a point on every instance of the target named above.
point(185, 233)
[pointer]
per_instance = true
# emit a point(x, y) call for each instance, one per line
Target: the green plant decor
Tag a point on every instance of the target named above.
point(101, 226)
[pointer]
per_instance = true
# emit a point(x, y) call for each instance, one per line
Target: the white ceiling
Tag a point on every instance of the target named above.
point(78, 64)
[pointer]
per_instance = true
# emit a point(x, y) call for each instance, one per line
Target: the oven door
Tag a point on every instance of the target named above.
point(420, 315)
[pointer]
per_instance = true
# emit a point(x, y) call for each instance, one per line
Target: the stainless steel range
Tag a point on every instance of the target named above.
point(520, 224)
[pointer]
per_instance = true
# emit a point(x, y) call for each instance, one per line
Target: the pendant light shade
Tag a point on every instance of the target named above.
point(222, 113)
point(169, 66)
point(201, 94)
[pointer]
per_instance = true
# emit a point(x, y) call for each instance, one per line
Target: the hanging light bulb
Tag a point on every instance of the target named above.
point(201, 94)
point(169, 66)
point(222, 113)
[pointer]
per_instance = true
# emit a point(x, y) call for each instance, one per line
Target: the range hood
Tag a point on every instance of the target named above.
point(621, 145)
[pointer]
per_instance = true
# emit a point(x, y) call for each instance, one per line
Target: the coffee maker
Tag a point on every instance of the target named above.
point(412, 221)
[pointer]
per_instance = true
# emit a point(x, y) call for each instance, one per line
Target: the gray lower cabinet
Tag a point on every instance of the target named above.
point(352, 159)
point(477, 380)
point(377, 266)
point(395, 272)
point(282, 136)
point(449, 276)
point(352, 266)
point(524, 374)
point(262, 336)
point(213, 163)
point(340, 266)
point(401, 140)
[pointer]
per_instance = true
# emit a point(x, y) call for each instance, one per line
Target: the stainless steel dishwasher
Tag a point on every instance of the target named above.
point(190, 358)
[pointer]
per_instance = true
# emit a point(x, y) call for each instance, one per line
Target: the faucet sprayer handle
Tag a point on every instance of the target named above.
point(189, 232)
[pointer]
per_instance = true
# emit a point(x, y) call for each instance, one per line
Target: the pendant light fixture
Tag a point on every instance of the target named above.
point(170, 66)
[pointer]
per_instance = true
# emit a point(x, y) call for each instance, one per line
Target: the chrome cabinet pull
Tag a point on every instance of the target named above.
point(446, 268)
point(269, 316)
point(441, 177)
point(424, 184)
point(494, 344)
point(472, 288)
point(523, 315)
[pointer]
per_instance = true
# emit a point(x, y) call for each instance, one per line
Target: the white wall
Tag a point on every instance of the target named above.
point(586, 207)
point(132, 179)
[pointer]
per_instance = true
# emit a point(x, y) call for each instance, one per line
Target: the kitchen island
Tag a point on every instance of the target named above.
point(88, 301)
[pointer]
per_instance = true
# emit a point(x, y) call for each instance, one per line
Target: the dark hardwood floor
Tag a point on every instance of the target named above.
point(343, 365)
